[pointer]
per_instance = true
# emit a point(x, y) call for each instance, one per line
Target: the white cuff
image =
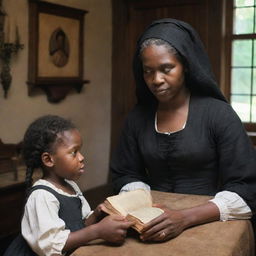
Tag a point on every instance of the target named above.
point(134, 185)
point(231, 206)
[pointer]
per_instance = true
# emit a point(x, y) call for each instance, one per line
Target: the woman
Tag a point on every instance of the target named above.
point(59, 48)
point(183, 136)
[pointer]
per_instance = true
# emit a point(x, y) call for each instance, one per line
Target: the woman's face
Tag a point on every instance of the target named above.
point(163, 73)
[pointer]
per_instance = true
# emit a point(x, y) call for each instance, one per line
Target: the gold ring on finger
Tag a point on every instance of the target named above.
point(162, 235)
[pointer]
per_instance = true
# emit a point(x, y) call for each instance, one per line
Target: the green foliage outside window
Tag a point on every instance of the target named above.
point(243, 69)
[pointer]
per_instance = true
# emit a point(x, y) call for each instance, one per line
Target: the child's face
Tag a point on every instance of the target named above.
point(68, 160)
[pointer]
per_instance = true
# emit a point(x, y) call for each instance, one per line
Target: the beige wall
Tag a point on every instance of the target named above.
point(89, 110)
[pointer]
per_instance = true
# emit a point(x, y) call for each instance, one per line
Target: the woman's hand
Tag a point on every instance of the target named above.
point(113, 228)
point(172, 222)
point(166, 226)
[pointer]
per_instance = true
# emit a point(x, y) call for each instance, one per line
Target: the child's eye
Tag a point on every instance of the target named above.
point(73, 153)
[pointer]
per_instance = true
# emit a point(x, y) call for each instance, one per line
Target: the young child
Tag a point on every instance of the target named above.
point(57, 218)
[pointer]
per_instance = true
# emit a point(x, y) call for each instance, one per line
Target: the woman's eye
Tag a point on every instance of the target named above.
point(146, 71)
point(167, 70)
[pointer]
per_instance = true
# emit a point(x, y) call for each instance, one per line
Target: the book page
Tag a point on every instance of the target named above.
point(146, 214)
point(130, 201)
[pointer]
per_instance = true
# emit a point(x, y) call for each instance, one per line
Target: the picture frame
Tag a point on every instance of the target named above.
point(55, 62)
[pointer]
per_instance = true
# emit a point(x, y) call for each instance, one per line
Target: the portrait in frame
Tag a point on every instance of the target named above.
point(55, 49)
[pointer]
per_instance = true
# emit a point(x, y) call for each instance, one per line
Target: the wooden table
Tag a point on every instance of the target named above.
point(230, 238)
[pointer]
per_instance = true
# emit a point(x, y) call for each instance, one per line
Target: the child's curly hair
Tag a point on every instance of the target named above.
point(40, 137)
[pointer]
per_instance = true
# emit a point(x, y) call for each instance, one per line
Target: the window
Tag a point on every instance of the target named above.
point(243, 61)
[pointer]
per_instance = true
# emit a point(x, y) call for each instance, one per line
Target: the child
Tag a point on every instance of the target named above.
point(57, 218)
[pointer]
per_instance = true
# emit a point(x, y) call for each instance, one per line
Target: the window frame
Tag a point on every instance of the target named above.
point(227, 54)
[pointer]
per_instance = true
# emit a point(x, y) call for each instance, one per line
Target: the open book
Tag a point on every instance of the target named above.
point(135, 206)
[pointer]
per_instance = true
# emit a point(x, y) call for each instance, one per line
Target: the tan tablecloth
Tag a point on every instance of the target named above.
point(230, 238)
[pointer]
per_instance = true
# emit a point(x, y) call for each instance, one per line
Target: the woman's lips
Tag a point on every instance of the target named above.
point(161, 91)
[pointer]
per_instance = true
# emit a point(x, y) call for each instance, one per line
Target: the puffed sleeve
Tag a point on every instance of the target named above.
point(236, 154)
point(231, 206)
point(127, 164)
point(41, 226)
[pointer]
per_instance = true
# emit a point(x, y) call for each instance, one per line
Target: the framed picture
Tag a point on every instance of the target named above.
point(55, 62)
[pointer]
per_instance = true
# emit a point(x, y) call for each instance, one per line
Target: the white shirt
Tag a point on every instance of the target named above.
point(41, 226)
point(230, 204)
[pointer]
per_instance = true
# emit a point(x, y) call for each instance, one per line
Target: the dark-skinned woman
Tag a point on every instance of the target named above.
point(183, 136)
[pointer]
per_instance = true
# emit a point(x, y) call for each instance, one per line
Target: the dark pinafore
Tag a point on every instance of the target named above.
point(70, 212)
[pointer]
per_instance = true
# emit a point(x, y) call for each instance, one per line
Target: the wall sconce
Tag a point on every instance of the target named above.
point(7, 50)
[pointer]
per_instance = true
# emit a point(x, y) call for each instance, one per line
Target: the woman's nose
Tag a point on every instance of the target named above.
point(158, 78)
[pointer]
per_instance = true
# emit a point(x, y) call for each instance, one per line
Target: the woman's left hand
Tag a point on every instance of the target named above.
point(166, 226)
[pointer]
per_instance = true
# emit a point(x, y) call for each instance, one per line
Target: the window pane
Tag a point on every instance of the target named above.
point(241, 105)
point(243, 20)
point(254, 53)
point(240, 3)
point(254, 109)
point(254, 81)
point(242, 53)
point(241, 80)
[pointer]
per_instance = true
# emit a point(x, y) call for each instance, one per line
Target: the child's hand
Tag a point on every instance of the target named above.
point(99, 211)
point(96, 216)
point(114, 228)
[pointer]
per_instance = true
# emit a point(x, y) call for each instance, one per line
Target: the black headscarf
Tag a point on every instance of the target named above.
point(186, 41)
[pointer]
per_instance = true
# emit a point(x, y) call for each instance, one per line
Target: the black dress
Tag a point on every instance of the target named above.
point(212, 153)
point(73, 222)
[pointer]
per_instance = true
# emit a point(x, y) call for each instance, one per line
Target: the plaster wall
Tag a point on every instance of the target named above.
point(89, 110)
